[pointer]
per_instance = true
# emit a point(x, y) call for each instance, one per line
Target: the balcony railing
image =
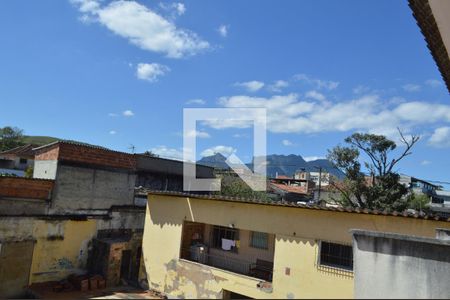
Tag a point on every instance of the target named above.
point(257, 268)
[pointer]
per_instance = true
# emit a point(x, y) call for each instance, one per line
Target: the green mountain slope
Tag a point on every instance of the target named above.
point(38, 140)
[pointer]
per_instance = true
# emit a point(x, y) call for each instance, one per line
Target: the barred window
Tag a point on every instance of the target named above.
point(259, 240)
point(336, 255)
point(220, 232)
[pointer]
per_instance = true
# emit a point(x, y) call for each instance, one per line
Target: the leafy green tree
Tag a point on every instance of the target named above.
point(150, 153)
point(233, 186)
point(382, 189)
point(419, 202)
point(10, 137)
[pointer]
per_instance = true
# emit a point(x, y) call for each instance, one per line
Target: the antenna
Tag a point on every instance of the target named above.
point(132, 148)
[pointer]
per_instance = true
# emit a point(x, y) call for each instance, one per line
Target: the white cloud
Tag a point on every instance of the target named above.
point(112, 115)
point(251, 86)
point(223, 30)
point(425, 162)
point(311, 158)
point(224, 150)
point(151, 72)
point(440, 138)
point(176, 8)
point(434, 83)
point(361, 89)
point(320, 84)
point(278, 85)
point(197, 134)
point(128, 113)
point(315, 95)
point(196, 101)
point(180, 8)
point(166, 152)
point(87, 6)
point(411, 87)
point(239, 135)
point(288, 114)
point(143, 27)
point(287, 143)
point(112, 132)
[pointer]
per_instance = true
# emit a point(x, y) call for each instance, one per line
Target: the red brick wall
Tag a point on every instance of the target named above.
point(19, 187)
point(88, 155)
point(50, 153)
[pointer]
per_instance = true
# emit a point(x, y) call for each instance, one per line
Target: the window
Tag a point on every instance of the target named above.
point(23, 161)
point(259, 240)
point(219, 233)
point(336, 255)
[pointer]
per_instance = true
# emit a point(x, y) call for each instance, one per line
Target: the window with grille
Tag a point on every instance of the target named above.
point(336, 255)
point(220, 232)
point(259, 240)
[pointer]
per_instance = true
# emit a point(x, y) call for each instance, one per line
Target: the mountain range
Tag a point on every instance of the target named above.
point(279, 164)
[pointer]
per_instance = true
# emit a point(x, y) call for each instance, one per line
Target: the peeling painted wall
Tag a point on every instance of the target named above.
point(61, 249)
point(297, 235)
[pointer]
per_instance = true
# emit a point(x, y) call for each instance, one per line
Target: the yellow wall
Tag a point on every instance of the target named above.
point(297, 232)
point(61, 248)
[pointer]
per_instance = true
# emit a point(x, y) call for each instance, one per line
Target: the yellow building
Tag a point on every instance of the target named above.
point(212, 247)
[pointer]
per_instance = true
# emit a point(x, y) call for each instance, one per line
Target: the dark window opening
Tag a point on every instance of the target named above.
point(259, 240)
point(220, 233)
point(23, 161)
point(336, 255)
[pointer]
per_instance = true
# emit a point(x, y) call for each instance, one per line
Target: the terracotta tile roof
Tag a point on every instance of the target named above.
point(25, 151)
point(404, 214)
point(427, 23)
point(289, 188)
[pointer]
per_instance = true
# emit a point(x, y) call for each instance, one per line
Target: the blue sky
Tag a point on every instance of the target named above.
point(116, 73)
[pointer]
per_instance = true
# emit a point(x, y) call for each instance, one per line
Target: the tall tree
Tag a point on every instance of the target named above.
point(10, 137)
point(382, 189)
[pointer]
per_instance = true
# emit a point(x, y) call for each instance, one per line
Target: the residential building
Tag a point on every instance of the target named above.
point(81, 213)
point(441, 203)
point(17, 159)
point(433, 18)
point(398, 266)
point(418, 186)
point(200, 246)
point(290, 189)
point(317, 177)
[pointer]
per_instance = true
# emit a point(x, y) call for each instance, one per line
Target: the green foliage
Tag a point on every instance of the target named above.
point(150, 153)
point(419, 202)
point(10, 137)
point(38, 140)
point(382, 189)
point(29, 172)
point(233, 186)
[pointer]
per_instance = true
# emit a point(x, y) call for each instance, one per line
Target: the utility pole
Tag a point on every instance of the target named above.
point(320, 182)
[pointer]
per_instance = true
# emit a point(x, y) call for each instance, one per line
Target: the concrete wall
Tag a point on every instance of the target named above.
point(298, 232)
point(60, 246)
point(393, 266)
point(45, 169)
point(14, 206)
point(79, 188)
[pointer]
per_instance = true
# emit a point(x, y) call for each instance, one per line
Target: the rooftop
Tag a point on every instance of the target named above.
point(433, 18)
point(26, 151)
point(404, 214)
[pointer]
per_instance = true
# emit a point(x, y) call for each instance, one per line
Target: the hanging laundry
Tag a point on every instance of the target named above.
point(228, 244)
